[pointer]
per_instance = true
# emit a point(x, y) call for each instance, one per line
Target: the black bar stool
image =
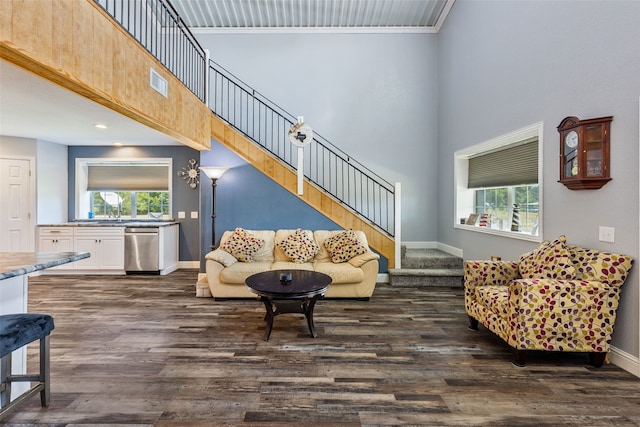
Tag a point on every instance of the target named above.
point(16, 331)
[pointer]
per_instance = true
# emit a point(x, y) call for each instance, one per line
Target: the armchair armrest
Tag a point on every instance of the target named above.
point(478, 273)
point(564, 315)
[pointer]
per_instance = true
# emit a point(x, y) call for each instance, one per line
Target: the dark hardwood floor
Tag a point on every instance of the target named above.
point(144, 351)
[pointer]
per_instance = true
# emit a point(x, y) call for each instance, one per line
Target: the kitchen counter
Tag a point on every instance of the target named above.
point(111, 223)
point(14, 264)
point(14, 295)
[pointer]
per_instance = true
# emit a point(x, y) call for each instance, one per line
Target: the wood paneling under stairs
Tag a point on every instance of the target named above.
point(314, 196)
point(144, 351)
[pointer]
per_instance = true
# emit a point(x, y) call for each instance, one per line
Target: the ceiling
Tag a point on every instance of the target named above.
point(32, 107)
point(314, 15)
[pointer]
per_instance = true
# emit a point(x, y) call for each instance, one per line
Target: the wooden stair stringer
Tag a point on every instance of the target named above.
point(315, 197)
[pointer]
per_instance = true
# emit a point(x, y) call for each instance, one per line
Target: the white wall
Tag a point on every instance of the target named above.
point(505, 65)
point(373, 96)
point(51, 183)
point(19, 147)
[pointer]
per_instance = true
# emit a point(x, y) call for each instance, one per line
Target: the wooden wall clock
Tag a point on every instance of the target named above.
point(584, 152)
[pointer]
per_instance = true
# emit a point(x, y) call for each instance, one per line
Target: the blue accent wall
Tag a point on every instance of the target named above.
point(247, 198)
point(184, 198)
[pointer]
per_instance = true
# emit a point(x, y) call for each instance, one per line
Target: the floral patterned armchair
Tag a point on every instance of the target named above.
point(556, 298)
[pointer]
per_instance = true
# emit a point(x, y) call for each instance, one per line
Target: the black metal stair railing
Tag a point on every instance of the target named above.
point(325, 165)
point(156, 25)
point(158, 28)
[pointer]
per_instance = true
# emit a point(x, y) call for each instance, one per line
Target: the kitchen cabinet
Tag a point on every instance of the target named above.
point(56, 239)
point(106, 246)
point(168, 249)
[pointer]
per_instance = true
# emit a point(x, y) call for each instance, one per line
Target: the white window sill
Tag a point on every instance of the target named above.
point(501, 233)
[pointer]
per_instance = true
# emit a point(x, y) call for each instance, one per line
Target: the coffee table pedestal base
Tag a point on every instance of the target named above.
point(304, 306)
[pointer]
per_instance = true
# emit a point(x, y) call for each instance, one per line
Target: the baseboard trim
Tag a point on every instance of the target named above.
point(624, 360)
point(188, 264)
point(382, 278)
point(434, 245)
point(450, 249)
point(420, 245)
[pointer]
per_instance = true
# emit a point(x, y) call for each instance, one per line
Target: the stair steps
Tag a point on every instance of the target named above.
point(427, 267)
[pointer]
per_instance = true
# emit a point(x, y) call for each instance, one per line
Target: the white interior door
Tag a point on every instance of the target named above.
point(16, 206)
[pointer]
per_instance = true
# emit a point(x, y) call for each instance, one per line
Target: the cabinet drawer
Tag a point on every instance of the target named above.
point(99, 231)
point(56, 231)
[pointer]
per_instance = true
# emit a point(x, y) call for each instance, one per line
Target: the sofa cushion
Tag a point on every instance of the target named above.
point(298, 246)
point(340, 273)
point(247, 246)
point(605, 267)
point(550, 260)
point(494, 298)
point(238, 272)
point(344, 246)
point(288, 265)
point(223, 257)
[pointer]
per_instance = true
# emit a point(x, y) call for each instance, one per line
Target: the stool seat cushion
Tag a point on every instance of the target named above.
point(18, 330)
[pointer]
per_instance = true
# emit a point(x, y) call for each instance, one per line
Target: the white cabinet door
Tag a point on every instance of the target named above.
point(106, 245)
point(56, 239)
point(112, 252)
point(87, 244)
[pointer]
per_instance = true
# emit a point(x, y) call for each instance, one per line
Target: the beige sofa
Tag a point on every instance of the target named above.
point(355, 278)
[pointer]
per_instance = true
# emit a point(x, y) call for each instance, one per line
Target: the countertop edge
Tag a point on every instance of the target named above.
point(112, 224)
point(14, 264)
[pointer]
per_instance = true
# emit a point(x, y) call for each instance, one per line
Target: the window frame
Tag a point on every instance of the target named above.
point(464, 197)
point(83, 201)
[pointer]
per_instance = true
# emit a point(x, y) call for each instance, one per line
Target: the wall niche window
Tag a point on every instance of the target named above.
point(498, 177)
point(128, 189)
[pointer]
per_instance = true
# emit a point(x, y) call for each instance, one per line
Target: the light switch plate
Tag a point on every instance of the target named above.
point(194, 214)
point(181, 215)
point(607, 234)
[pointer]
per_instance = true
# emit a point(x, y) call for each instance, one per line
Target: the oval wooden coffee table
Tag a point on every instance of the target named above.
point(298, 296)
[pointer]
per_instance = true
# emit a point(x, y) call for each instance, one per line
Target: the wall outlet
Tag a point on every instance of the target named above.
point(606, 234)
point(194, 214)
point(181, 215)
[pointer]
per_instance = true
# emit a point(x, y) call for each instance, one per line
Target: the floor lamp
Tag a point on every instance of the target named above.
point(214, 173)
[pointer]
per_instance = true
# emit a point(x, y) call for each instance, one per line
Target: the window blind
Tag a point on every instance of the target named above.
point(128, 178)
point(512, 165)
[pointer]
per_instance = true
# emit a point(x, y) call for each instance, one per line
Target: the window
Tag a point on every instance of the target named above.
point(130, 204)
point(129, 189)
point(501, 179)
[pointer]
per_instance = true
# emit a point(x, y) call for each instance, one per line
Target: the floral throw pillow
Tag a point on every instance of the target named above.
point(242, 245)
point(299, 247)
point(344, 246)
point(550, 260)
point(605, 267)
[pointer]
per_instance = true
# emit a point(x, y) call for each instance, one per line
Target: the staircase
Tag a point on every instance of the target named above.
point(427, 267)
point(275, 169)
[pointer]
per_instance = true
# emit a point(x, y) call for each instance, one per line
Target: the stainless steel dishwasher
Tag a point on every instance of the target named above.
point(141, 250)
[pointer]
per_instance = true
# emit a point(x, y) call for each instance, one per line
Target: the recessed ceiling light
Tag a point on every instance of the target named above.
point(100, 126)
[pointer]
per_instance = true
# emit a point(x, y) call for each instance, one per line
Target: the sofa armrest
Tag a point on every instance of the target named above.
point(478, 273)
point(565, 315)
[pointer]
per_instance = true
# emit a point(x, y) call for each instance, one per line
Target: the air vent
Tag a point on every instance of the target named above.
point(158, 83)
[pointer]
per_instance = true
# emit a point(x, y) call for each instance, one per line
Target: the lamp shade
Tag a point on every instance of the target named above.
point(213, 172)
